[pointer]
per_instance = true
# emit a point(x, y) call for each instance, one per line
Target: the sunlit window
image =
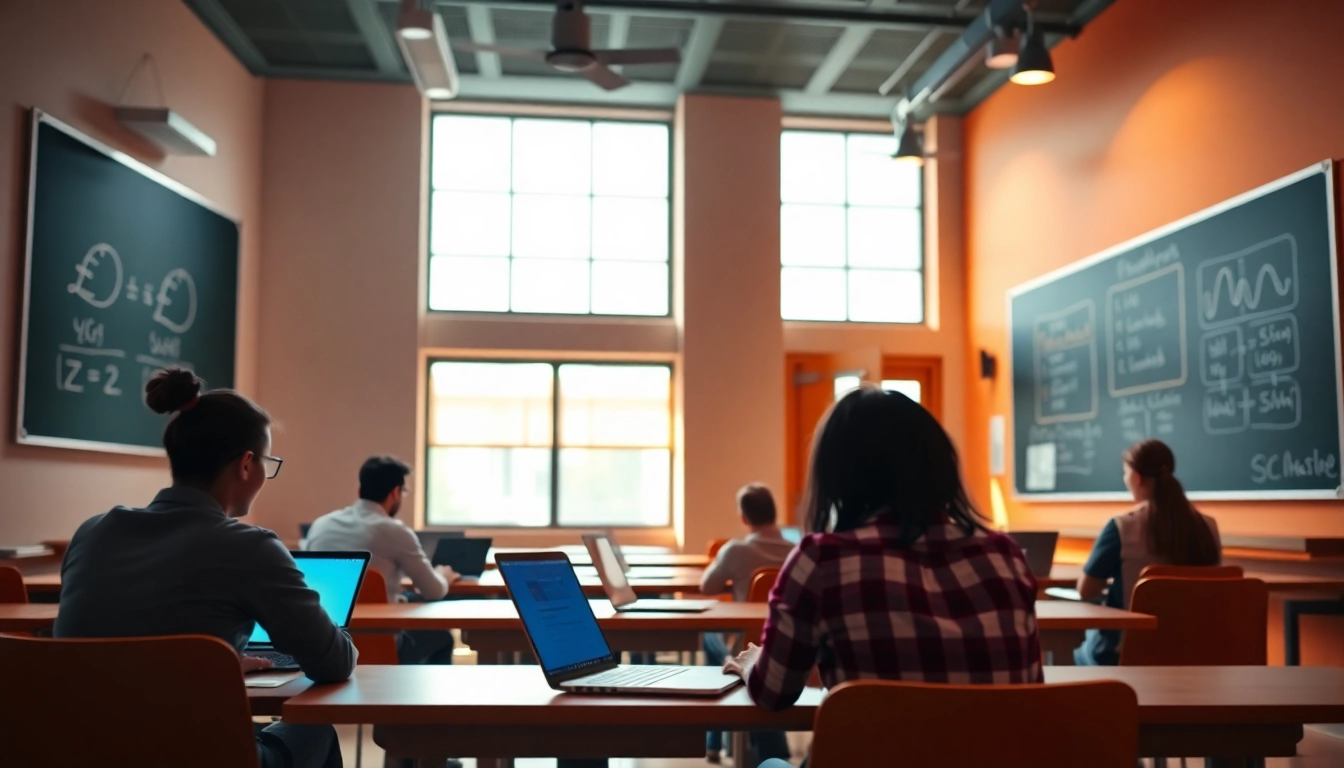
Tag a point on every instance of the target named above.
point(549, 216)
point(541, 444)
point(851, 229)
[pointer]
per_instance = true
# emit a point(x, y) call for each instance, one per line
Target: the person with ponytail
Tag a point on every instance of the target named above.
point(186, 565)
point(1163, 528)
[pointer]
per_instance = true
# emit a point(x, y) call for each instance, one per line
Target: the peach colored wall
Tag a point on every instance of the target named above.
point(72, 59)
point(1160, 109)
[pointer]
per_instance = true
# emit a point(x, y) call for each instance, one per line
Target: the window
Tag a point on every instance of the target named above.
point(549, 216)
point(851, 229)
point(549, 444)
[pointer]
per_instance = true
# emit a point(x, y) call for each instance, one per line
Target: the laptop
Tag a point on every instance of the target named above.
point(464, 555)
point(569, 644)
point(616, 547)
point(791, 533)
point(1039, 548)
point(336, 577)
point(618, 589)
point(429, 540)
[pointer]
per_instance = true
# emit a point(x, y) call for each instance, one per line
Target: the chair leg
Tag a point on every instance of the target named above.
point(359, 745)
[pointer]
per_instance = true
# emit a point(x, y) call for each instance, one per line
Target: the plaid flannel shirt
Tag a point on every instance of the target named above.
point(951, 608)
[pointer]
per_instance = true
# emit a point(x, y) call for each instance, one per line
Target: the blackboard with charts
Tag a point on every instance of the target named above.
point(1217, 334)
point(127, 272)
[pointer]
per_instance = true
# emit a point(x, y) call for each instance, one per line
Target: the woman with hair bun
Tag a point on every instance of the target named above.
point(186, 565)
point(1164, 528)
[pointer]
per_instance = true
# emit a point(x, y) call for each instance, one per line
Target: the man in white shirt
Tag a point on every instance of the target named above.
point(371, 524)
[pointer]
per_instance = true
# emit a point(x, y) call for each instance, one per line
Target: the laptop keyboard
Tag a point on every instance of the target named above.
point(630, 677)
point(278, 660)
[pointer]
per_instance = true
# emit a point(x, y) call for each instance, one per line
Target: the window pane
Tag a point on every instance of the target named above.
point(630, 228)
point(812, 294)
point(550, 226)
point(629, 288)
point(552, 156)
point(812, 167)
point(489, 486)
point(845, 384)
point(550, 285)
point(812, 235)
point(615, 487)
point(470, 224)
point(885, 237)
point(878, 296)
point(630, 159)
point(911, 388)
point(496, 404)
point(874, 179)
point(615, 405)
point(471, 153)
point(469, 284)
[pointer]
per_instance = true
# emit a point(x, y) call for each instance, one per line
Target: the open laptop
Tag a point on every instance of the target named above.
point(336, 577)
point(1039, 549)
point(565, 636)
point(462, 554)
point(618, 589)
point(791, 533)
point(616, 547)
point(429, 540)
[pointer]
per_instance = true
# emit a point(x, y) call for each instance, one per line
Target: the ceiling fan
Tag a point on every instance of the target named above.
point(570, 38)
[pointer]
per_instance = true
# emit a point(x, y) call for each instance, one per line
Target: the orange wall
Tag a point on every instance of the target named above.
point(1160, 109)
point(72, 59)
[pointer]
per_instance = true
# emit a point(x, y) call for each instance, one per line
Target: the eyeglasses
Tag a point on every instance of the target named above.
point(272, 466)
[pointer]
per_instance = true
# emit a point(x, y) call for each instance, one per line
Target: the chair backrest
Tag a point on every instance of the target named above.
point(1192, 571)
point(374, 647)
point(143, 701)
point(12, 589)
point(762, 581)
point(878, 722)
point(1200, 622)
point(713, 547)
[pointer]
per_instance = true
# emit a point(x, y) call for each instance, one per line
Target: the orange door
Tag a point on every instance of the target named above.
point(809, 389)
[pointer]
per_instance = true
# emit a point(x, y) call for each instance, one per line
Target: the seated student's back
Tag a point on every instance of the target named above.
point(763, 546)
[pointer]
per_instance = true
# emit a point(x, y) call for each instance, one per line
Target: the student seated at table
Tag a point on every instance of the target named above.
point(186, 565)
point(763, 547)
point(1164, 528)
point(903, 581)
point(371, 524)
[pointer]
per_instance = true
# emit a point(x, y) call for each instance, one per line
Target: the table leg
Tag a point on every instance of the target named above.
point(741, 749)
point(1057, 646)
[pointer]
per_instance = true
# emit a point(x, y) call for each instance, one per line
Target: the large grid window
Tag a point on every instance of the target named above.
point(549, 444)
point(549, 216)
point(851, 229)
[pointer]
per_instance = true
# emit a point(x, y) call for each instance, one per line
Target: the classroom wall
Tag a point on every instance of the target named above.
point(1160, 109)
point(73, 59)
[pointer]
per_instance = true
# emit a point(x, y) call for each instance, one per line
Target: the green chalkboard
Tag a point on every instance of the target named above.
point(127, 272)
point(1218, 334)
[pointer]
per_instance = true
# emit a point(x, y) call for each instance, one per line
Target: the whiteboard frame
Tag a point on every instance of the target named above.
point(1326, 167)
point(38, 119)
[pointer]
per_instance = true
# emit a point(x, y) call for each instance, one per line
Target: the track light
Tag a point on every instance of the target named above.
point(910, 147)
point(424, 47)
point(1001, 53)
point(415, 22)
point(1034, 66)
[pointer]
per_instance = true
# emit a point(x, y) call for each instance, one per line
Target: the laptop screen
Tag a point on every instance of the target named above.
point(336, 581)
point(608, 568)
point(555, 614)
point(791, 534)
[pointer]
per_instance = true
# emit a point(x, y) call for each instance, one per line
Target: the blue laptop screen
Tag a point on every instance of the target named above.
point(555, 614)
point(793, 535)
point(336, 582)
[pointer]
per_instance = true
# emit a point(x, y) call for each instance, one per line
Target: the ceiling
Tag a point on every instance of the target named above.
point(823, 57)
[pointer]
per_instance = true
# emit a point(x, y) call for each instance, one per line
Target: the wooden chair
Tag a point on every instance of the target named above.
point(762, 581)
point(12, 588)
point(1200, 622)
point(1192, 571)
point(374, 647)
point(146, 701)
point(879, 722)
point(713, 547)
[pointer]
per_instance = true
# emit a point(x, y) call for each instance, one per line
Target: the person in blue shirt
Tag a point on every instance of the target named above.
point(1163, 528)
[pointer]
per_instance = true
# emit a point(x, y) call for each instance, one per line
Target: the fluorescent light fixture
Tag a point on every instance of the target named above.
point(167, 129)
point(910, 147)
point(428, 57)
point(1001, 53)
point(1034, 66)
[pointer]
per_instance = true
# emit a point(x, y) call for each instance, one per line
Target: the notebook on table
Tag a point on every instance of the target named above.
point(618, 588)
point(336, 578)
point(569, 644)
point(464, 555)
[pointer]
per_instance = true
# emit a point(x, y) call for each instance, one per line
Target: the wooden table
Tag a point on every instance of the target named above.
point(1066, 575)
point(635, 557)
point(27, 617)
point(43, 584)
point(267, 702)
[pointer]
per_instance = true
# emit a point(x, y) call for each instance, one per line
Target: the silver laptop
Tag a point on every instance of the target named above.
point(618, 589)
point(569, 644)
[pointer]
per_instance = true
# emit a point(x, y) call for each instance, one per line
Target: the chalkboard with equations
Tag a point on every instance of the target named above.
point(1217, 334)
point(127, 272)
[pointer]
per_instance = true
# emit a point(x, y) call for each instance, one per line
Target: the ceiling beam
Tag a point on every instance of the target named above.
point(377, 37)
point(838, 59)
point(482, 27)
point(218, 19)
point(910, 61)
point(695, 56)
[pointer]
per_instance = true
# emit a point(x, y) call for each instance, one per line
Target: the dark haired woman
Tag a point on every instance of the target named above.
point(1164, 528)
point(901, 582)
point(185, 565)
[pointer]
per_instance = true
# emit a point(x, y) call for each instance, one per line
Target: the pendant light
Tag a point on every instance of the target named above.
point(1034, 66)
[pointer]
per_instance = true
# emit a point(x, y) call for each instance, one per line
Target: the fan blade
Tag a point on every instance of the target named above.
point(502, 50)
point(604, 77)
point(639, 56)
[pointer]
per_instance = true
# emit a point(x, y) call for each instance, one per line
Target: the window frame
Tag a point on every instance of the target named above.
point(555, 362)
point(515, 116)
point(923, 236)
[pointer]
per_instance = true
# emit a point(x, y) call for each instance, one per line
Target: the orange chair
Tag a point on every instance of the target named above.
point(1192, 571)
point(762, 581)
point(12, 589)
point(1200, 622)
point(1042, 726)
point(374, 647)
point(712, 549)
point(195, 703)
